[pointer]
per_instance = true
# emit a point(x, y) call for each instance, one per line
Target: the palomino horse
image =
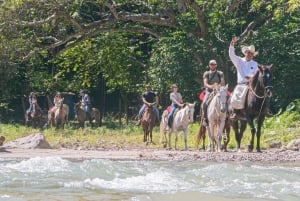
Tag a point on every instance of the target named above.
point(35, 116)
point(181, 120)
point(148, 121)
point(259, 89)
point(81, 115)
point(55, 115)
point(202, 130)
point(216, 114)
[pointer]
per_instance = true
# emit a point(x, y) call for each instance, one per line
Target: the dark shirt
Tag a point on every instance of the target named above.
point(149, 96)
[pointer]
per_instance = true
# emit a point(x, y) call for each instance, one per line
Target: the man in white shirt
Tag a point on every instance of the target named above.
point(246, 68)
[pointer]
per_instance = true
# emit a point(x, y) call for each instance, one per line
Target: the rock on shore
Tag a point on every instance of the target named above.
point(33, 141)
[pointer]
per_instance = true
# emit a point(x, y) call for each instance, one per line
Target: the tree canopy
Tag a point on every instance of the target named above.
point(119, 45)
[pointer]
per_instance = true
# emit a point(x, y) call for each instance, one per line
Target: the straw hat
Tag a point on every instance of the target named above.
point(250, 48)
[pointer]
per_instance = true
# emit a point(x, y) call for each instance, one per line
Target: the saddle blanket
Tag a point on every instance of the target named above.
point(238, 97)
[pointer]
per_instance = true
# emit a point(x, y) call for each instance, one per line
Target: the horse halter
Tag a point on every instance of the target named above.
point(267, 83)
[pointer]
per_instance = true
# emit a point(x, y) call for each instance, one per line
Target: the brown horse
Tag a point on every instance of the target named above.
point(148, 121)
point(35, 116)
point(259, 89)
point(58, 116)
point(81, 115)
point(202, 130)
point(2, 139)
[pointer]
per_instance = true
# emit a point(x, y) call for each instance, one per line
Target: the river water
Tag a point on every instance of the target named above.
point(54, 178)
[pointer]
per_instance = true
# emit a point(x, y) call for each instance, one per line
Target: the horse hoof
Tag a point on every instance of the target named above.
point(258, 150)
point(250, 148)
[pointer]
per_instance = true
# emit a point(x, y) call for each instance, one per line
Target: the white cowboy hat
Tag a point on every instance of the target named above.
point(250, 48)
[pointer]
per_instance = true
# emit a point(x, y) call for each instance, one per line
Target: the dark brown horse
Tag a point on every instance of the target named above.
point(259, 90)
point(35, 116)
point(81, 115)
point(148, 121)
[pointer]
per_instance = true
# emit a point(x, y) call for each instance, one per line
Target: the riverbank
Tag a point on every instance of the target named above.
point(272, 155)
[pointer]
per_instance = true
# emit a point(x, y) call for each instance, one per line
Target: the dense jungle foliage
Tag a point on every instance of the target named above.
point(112, 48)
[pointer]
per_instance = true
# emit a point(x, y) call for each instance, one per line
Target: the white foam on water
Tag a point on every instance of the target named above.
point(39, 165)
point(158, 181)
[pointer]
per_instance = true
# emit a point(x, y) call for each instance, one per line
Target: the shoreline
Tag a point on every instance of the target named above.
point(270, 155)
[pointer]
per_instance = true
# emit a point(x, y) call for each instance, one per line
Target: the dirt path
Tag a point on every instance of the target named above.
point(273, 155)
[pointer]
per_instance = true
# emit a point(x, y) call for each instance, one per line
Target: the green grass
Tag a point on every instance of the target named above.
point(112, 134)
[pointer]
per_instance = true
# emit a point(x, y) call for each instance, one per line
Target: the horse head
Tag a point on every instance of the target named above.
point(222, 95)
point(190, 109)
point(267, 78)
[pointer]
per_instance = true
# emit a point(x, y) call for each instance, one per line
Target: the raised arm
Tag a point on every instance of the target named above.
point(233, 57)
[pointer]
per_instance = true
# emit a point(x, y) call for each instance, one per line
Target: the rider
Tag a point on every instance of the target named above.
point(246, 68)
point(148, 98)
point(32, 105)
point(56, 100)
point(86, 103)
point(211, 79)
point(176, 100)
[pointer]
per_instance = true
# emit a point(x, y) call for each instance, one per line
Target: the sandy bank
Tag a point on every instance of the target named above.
point(273, 155)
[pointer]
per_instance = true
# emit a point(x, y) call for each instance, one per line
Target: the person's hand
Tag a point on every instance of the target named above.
point(214, 85)
point(234, 41)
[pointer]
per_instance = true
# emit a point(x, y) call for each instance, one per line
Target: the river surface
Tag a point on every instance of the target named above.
point(54, 178)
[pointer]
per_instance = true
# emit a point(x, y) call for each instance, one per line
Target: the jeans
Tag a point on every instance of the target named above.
point(87, 108)
point(155, 110)
point(170, 117)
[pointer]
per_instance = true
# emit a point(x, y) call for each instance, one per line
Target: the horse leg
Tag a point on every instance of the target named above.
point(170, 133)
point(219, 137)
point(253, 131)
point(201, 135)
point(185, 139)
point(235, 126)
point(258, 133)
point(210, 143)
point(226, 132)
point(145, 135)
point(176, 138)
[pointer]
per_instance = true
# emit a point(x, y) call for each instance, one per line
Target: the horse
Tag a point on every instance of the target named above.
point(35, 116)
point(216, 114)
point(202, 131)
point(148, 121)
point(181, 120)
point(58, 116)
point(259, 89)
point(81, 115)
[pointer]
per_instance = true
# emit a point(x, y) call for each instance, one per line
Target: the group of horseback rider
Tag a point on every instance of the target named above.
point(57, 100)
point(246, 68)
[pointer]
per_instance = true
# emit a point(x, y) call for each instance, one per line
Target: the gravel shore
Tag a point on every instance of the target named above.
point(272, 155)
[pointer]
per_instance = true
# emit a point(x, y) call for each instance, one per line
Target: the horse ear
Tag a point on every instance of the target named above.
point(269, 66)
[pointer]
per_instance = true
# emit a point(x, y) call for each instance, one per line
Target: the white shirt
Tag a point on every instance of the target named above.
point(244, 68)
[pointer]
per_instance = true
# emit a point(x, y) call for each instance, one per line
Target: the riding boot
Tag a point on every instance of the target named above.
point(205, 122)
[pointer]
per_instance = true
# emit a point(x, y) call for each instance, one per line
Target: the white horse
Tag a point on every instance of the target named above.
point(181, 120)
point(216, 114)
